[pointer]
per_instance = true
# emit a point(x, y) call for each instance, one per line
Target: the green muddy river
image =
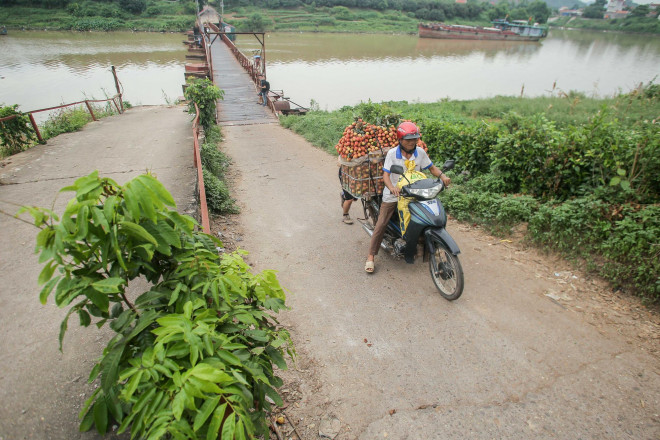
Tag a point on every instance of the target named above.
point(42, 69)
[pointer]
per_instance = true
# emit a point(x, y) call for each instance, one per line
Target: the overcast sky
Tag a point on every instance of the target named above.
point(639, 2)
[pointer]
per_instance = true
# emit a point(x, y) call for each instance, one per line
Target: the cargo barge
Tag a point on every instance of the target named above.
point(516, 30)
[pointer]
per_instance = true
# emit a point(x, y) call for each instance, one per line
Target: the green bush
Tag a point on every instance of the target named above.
point(194, 355)
point(619, 241)
point(16, 134)
point(214, 160)
point(205, 94)
point(94, 24)
point(218, 198)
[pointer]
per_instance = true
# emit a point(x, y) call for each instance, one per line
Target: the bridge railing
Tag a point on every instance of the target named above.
point(206, 227)
point(114, 99)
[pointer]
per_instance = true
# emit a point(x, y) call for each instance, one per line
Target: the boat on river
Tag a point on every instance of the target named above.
point(517, 30)
point(3, 30)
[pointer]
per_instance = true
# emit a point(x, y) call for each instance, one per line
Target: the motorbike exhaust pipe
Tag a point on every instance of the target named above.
point(370, 231)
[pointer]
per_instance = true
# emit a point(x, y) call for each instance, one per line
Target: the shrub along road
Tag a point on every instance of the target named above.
point(531, 350)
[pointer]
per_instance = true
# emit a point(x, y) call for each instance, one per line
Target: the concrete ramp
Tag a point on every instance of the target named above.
point(41, 389)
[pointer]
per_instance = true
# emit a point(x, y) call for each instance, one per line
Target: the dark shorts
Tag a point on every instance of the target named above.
point(345, 194)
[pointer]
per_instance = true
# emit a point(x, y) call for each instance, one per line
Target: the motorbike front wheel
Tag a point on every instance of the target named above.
point(446, 271)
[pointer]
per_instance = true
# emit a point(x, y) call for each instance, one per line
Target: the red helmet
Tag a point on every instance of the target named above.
point(407, 130)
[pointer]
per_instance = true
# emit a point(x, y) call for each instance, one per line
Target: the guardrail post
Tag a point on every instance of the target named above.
point(115, 103)
point(121, 103)
point(36, 129)
point(89, 107)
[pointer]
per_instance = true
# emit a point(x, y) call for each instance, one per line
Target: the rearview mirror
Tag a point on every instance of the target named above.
point(396, 169)
point(449, 164)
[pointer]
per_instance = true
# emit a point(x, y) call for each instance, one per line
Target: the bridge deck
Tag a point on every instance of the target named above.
point(240, 105)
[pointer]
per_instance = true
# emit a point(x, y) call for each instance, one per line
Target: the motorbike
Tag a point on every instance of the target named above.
point(425, 234)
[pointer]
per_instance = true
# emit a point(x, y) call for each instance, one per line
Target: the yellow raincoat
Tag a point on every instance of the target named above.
point(402, 206)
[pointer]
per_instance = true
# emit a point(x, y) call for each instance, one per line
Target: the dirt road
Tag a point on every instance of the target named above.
point(530, 350)
point(41, 389)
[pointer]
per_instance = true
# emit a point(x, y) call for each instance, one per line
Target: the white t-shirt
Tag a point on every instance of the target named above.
point(394, 157)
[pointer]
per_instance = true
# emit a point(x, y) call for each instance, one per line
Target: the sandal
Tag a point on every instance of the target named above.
point(369, 267)
point(347, 219)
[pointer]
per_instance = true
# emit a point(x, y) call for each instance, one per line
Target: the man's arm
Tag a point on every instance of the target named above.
point(388, 183)
point(438, 173)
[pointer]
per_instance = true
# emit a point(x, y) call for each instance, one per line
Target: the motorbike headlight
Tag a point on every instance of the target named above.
point(425, 193)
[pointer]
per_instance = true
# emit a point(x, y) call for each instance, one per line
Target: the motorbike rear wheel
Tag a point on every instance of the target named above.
point(371, 212)
point(446, 271)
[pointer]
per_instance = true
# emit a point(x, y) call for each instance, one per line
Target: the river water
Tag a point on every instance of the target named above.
point(43, 69)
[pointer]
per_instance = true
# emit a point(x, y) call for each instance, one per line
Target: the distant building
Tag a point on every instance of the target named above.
point(461, 1)
point(615, 9)
point(615, 5)
point(566, 12)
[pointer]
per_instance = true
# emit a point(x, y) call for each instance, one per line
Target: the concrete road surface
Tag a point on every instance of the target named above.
point(41, 389)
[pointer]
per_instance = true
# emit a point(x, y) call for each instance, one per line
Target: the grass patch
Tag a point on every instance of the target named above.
point(68, 120)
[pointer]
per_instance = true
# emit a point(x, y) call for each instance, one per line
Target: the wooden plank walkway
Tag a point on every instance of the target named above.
point(240, 104)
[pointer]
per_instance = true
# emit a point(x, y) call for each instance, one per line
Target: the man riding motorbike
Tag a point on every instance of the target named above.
point(406, 151)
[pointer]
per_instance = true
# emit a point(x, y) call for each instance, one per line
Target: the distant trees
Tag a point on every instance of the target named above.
point(595, 10)
point(430, 10)
point(640, 11)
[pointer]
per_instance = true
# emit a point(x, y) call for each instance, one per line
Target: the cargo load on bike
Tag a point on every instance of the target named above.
point(362, 150)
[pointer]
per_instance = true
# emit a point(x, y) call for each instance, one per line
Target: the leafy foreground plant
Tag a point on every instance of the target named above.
point(193, 356)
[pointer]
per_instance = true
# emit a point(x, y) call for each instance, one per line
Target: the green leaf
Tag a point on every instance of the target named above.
point(64, 325)
point(85, 319)
point(228, 357)
point(216, 421)
point(82, 222)
point(175, 294)
point(144, 399)
point(114, 407)
point(625, 184)
point(100, 416)
point(276, 357)
point(87, 422)
point(240, 430)
point(43, 295)
point(47, 272)
point(132, 385)
point(100, 220)
point(270, 392)
point(99, 299)
point(117, 309)
point(183, 223)
point(110, 367)
point(157, 188)
point(229, 427)
point(109, 285)
point(178, 404)
point(125, 318)
point(621, 172)
point(137, 231)
point(110, 208)
point(212, 374)
point(615, 181)
point(88, 403)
